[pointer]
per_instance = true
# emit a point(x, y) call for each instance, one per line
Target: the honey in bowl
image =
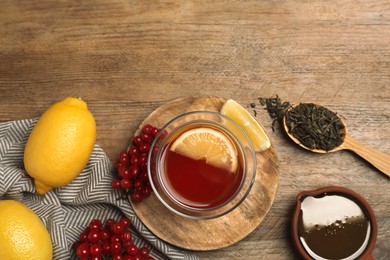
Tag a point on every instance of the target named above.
point(333, 223)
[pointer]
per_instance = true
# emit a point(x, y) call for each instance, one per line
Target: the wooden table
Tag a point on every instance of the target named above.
point(126, 58)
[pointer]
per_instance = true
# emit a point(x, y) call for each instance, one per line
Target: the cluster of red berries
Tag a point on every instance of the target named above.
point(132, 166)
point(110, 241)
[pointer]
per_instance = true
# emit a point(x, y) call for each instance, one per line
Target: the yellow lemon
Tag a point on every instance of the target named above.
point(207, 144)
point(22, 234)
point(60, 144)
point(252, 128)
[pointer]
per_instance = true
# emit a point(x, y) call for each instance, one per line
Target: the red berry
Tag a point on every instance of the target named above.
point(136, 197)
point(146, 191)
point(133, 150)
point(116, 184)
point(147, 138)
point(117, 228)
point(138, 184)
point(137, 140)
point(83, 236)
point(144, 251)
point(125, 183)
point(155, 131)
point(132, 165)
point(106, 246)
point(125, 221)
point(117, 256)
point(127, 174)
point(144, 176)
point(116, 247)
point(83, 250)
point(134, 160)
point(105, 234)
point(124, 158)
point(139, 190)
point(110, 222)
point(132, 250)
point(118, 164)
point(134, 171)
point(143, 159)
point(95, 223)
point(147, 129)
point(112, 239)
point(144, 147)
point(126, 235)
point(115, 238)
point(124, 173)
point(96, 249)
point(94, 235)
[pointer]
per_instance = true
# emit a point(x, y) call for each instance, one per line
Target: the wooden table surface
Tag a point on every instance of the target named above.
point(126, 58)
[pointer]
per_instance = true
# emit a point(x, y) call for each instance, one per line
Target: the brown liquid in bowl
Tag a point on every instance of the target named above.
point(333, 227)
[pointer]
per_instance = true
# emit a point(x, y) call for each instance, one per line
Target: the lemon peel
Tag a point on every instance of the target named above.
point(22, 234)
point(249, 124)
point(60, 144)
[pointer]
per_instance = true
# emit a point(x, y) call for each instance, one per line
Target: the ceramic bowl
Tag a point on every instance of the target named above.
point(333, 205)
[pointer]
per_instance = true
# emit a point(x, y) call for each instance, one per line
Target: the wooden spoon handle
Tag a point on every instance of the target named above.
point(379, 160)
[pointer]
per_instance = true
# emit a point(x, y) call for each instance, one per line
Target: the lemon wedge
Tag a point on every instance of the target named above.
point(207, 144)
point(249, 124)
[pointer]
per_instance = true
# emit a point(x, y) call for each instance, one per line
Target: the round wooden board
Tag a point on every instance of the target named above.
point(214, 233)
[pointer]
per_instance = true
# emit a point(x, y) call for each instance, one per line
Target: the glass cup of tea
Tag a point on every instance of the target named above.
point(202, 165)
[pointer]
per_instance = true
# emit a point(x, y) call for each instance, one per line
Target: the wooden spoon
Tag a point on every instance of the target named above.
point(379, 160)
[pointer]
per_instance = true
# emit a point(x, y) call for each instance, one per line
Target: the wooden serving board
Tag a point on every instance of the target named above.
point(213, 233)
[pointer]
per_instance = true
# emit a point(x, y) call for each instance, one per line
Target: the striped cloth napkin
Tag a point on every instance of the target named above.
point(67, 211)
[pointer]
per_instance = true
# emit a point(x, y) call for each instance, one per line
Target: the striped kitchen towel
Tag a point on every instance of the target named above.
point(67, 211)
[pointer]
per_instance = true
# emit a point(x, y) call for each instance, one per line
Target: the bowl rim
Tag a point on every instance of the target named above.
point(367, 253)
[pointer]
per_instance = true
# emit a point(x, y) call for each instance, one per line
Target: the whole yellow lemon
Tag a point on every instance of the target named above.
point(60, 144)
point(22, 234)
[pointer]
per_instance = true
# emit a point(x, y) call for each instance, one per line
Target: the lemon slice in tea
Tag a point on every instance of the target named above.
point(252, 128)
point(207, 144)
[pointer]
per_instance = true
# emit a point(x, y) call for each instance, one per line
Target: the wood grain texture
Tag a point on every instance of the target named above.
point(215, 233)
point(127, 57)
